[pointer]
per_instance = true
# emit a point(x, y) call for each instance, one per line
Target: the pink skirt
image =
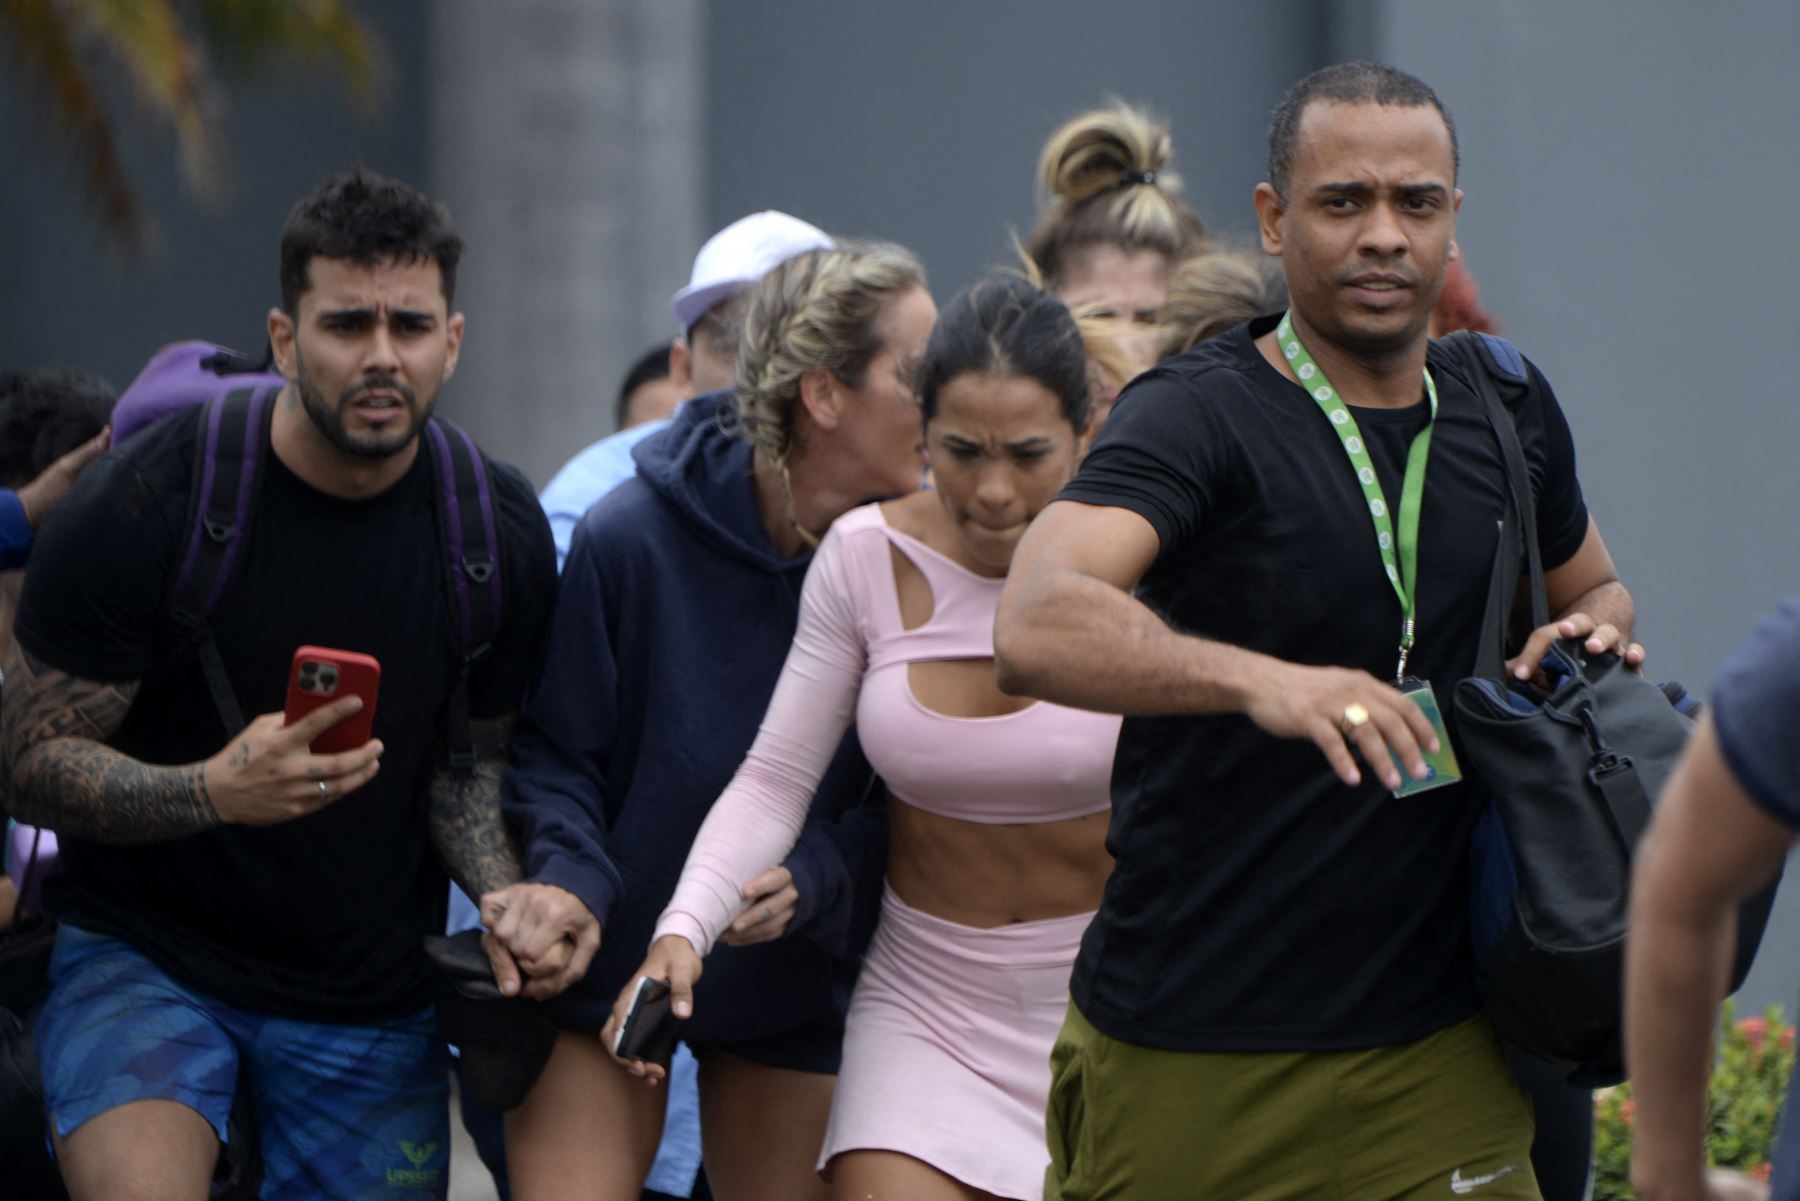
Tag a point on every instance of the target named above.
point(947, 1046)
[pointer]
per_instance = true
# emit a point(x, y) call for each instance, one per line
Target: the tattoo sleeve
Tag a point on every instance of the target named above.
point(59, 773)
point(467, 828)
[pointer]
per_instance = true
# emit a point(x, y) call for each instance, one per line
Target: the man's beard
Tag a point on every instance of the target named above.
point(374, 444)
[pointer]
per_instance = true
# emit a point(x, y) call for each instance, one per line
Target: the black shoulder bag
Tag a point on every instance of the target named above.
point(1570, 772)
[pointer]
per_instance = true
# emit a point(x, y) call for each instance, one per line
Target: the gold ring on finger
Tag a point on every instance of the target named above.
point(1355, 716)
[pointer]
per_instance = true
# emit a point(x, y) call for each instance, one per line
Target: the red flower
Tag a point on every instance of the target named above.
point(1754, 1031)
point(1787, 1038)
point(1761, 1172)
point(1628, 1111)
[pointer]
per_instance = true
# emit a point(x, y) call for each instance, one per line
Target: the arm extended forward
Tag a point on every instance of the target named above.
point(1070, 631)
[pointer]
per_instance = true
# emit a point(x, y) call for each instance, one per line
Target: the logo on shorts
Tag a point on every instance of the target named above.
point(418, 1154)
point(1462, 1185)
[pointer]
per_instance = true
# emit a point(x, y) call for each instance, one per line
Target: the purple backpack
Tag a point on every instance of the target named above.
point(237, 398)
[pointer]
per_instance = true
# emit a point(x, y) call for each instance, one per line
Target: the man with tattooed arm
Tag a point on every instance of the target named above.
point(239, 912)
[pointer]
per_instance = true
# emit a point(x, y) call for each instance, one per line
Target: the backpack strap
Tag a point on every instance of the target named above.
point(231, 444)
point(1505, 363)
point(1499, 388)
point(464, 499)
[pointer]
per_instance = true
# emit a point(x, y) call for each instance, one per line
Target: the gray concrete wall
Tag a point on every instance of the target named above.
point(922, 122)
point(566, 137)
point(1627, 169)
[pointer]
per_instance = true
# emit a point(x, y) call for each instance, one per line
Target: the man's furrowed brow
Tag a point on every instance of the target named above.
point(361, 314)
point(1360, 189)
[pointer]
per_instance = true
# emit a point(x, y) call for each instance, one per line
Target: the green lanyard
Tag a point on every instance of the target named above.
point(1403, 572)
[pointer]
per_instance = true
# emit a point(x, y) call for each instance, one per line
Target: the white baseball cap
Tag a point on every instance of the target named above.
point(739, 255)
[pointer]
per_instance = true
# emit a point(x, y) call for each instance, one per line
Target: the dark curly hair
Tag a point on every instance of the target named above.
point(1007, 326)
point(46, 414)
point(366, 219)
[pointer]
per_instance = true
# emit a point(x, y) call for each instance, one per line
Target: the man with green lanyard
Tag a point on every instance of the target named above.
point(1276, 997)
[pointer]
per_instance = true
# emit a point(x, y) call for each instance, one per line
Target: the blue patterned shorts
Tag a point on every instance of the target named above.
point(342, 1111)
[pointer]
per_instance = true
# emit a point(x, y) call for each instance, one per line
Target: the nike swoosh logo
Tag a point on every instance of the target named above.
point(1462, 1185)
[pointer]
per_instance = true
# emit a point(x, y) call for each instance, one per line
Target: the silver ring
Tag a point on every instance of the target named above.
point(324, 793)
point(768, 912)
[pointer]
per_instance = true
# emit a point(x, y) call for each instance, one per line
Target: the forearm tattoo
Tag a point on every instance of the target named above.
point(466, 825)
point(59, 773)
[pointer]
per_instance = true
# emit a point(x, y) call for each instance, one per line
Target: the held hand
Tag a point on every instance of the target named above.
point(773, 903)
point(672, 958)
point(541, 930)
point(267, 774)
point(42, 493)
point(1340, 709)
point(1601, 639)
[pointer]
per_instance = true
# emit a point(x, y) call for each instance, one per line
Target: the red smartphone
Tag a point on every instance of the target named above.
point(321, 675)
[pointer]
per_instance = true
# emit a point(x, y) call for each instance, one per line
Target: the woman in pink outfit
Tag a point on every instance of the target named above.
point(997, 804)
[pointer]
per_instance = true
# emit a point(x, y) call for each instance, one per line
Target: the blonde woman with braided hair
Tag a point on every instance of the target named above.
point(679, 600)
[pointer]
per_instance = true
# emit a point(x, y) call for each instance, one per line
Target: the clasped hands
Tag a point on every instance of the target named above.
point(540, 938)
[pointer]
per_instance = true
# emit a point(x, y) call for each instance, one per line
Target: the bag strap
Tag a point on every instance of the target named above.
point(25, 877)
point(1484, 357)
point(232, 443)
point(464, 501)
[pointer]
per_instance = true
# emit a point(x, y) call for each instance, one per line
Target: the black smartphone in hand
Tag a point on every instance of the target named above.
point(648, 1031)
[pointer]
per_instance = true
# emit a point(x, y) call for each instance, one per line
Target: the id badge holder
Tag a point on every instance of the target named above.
point(1441, 768)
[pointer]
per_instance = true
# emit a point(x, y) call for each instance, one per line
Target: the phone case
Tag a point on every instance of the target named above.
point(648, 1032)
point(321, 675)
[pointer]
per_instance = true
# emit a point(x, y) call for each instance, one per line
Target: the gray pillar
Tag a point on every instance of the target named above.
point(566, 137)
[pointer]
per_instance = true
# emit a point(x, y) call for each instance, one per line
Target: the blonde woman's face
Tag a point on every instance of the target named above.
point(1129, 284)
point(881, 431)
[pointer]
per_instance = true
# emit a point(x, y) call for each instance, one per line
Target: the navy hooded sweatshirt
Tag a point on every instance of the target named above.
point(674, 618)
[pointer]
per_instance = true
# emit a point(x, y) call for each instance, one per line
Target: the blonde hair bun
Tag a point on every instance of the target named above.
point(1107, 182)
point(1102, 150)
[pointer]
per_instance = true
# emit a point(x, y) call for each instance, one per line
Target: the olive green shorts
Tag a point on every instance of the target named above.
point(1438, 1118)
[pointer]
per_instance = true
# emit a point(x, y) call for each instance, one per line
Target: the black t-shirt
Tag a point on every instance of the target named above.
point(319, 918)
point(1258, 904)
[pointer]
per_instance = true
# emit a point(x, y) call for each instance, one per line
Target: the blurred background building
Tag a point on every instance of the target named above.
point(1624, 166)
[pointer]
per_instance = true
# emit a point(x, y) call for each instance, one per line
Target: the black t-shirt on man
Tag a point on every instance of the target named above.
point(320, 918)
point(1258, 904)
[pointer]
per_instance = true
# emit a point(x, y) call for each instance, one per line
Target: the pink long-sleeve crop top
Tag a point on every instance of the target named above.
point(1043, 763)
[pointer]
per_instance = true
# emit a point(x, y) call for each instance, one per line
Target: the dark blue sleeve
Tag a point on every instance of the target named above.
point(15, 531)
point(1756, 709)
point(555, 796)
